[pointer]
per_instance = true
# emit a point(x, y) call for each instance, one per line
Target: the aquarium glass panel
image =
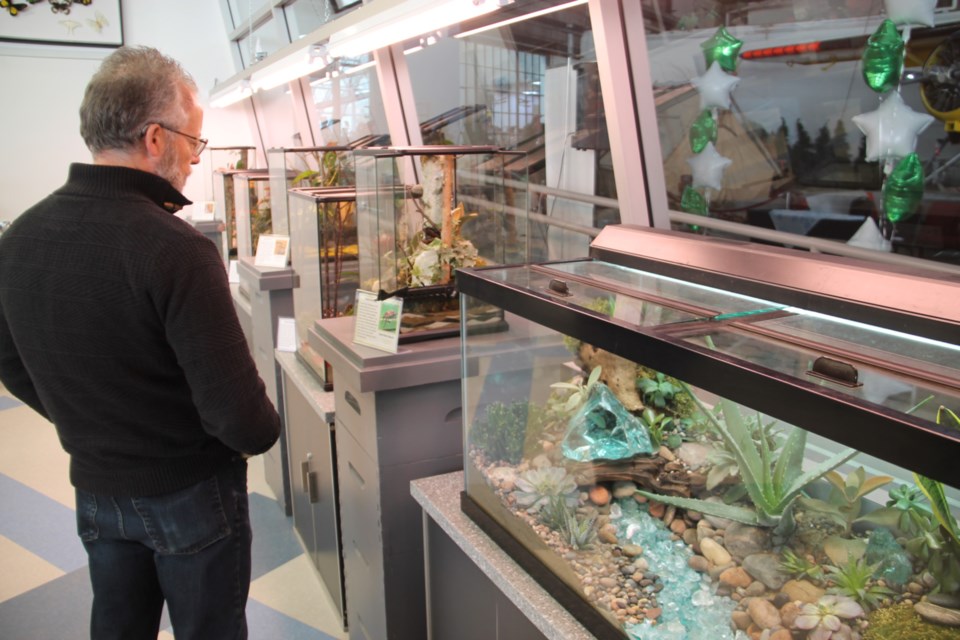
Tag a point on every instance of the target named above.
point(828, 119)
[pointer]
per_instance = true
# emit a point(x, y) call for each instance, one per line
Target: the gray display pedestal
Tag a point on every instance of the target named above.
point(397, 419)
point(269, 293)
point(475, 591)
point(311, 447)
point(213, 230)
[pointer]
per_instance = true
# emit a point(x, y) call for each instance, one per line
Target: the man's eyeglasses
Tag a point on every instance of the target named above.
point(199, 143)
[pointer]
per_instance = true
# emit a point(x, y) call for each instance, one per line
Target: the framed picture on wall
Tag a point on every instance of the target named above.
point(87, 23)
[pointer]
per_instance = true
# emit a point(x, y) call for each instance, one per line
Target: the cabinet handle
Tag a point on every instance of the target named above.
point(305, 476)
point(352, 401)
point(312, 487)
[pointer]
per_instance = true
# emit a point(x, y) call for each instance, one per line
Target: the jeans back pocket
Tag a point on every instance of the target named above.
point(185, 521)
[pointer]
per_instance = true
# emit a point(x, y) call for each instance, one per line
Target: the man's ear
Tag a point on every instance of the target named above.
point(154, 141)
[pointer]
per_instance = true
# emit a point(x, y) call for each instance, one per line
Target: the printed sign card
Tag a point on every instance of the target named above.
point(272, 251)
point(378, 321)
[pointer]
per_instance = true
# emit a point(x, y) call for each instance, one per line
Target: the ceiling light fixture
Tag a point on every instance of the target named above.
point(526, 16)
point(225, 96)
point(289, 68)
point(404, 20)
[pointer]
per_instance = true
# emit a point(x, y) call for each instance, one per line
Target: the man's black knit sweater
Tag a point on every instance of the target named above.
point(117, 324)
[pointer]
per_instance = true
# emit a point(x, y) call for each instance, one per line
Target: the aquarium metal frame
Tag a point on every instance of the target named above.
point(905, 440)
point(896, 297)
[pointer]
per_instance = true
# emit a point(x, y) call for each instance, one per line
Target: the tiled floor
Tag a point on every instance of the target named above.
point(44, 585)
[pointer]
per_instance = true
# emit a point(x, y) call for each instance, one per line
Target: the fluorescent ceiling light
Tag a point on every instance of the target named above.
point(358, 68)
point(405, 20)
point(290, 67)
point(526, 16)
point(228, 95)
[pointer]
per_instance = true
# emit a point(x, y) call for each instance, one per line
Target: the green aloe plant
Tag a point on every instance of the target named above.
point(772, 485)
point(579, 392)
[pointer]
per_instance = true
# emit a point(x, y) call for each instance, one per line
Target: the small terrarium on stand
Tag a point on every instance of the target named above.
point(698, 440)
point(323, 253)
point(254, 211)
point(424, 212)
point(303, 167)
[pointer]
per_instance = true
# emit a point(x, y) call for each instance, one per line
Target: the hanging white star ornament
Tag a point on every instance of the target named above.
point(715, 87)
point(708, 167)
point(911, 11)
point(892, 129)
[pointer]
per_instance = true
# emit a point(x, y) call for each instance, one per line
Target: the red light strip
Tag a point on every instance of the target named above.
point(788, 50)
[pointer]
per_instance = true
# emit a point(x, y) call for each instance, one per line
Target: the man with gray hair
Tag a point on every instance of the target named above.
point(117, 325)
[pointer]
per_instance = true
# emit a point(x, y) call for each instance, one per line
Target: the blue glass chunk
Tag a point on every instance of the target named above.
point(602, 428)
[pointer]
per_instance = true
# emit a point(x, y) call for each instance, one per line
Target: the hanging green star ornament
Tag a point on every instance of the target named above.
point(692, 201)
point(903, 189)
point(722, 48)
point(883, 58)
point(702, 131)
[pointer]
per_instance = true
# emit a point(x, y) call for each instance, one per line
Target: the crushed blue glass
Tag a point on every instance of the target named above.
point(691, 608)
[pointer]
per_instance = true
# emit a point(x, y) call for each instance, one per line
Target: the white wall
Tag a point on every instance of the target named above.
point(43, 86)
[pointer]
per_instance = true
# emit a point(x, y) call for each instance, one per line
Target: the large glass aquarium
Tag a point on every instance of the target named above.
point(699, 439)
point(424, 212)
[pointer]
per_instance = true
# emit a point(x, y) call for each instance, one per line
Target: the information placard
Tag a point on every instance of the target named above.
point(272, 251)
point(378, 321)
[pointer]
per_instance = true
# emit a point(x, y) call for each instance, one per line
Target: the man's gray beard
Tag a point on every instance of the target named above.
point(169, 169)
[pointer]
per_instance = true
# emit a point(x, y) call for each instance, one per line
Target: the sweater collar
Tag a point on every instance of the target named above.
point(112, 181)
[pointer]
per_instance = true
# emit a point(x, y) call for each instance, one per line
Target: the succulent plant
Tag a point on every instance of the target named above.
point(536, 487)
point(799, 567)
point(855, 580)
point(579, 532)
point(823, 618)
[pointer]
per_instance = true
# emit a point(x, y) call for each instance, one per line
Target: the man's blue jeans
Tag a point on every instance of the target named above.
point(190, 548)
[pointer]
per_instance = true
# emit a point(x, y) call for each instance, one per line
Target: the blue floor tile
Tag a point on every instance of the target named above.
point(274, 543)
point(41, 525)
point(6, 402)
point(264, 622)
point(57, 610)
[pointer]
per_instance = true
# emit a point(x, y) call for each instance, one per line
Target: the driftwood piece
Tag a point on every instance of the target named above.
point(617, 373)
point(651, 473)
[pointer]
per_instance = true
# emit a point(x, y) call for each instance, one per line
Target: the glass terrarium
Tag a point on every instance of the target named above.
point(304, 167)
point(323, 253)
point(424, 212)
point(253, 211)
point(232, 158)
point(681, 452)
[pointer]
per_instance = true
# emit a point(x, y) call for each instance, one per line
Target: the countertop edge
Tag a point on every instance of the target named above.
point(321, 401)
point(439, 496)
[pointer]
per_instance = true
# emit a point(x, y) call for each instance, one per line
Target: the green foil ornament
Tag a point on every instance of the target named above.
point(883, 58)
point(903, 189)
point(722, 48)
point(703, 131)
point(692, 201)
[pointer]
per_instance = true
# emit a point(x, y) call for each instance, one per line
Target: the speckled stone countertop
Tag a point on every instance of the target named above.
point(440, 498)
point(321, 401)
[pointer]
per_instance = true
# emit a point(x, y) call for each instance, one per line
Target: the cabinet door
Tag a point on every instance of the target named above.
point(300, 420)
point(321, 489)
